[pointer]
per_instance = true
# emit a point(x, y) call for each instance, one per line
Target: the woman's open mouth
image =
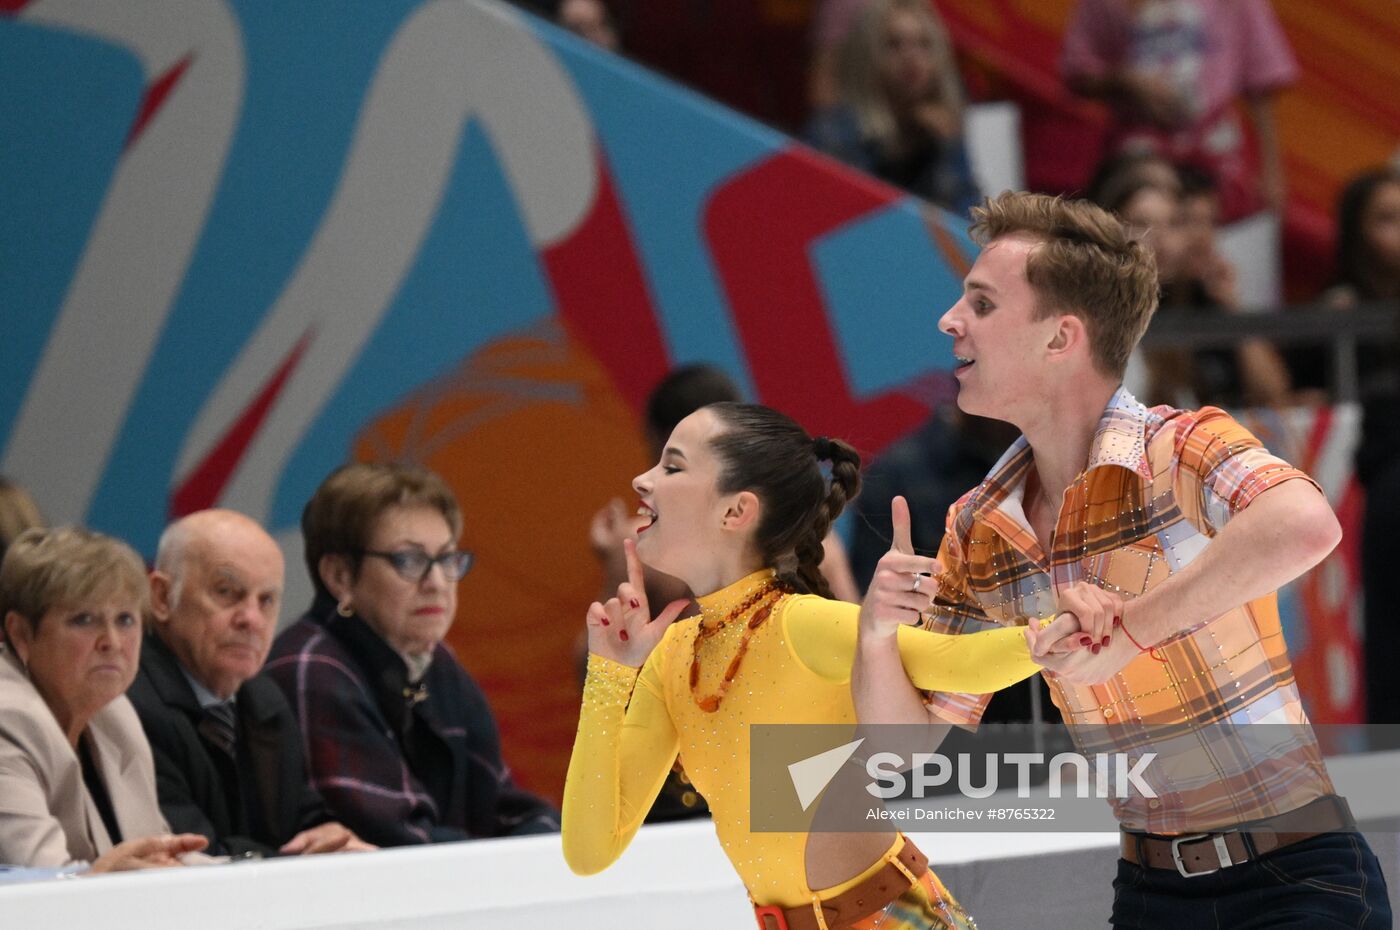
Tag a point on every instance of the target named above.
point(648, 514)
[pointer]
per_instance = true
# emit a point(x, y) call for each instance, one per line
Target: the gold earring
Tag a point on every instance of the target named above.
point(344, 609)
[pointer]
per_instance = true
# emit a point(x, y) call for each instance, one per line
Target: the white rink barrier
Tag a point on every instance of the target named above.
point(673, 876)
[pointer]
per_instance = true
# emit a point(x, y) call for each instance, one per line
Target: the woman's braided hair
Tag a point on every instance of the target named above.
point(766, 452)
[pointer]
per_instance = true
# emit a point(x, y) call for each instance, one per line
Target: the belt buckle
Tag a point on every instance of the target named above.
point(1221, 851)
point(773, 911)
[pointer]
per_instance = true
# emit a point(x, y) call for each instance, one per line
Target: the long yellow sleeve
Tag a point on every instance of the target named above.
point(625, 747)
point(822, 634)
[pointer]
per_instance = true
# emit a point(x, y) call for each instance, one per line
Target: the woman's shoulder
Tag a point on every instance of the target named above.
point(815, 608)
point(20, 699)
point(680, 633)
point(25, 710)
point(675, 644)
point(307, 652)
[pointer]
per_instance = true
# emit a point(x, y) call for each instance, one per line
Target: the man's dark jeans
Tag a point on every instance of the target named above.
point(1332, 880)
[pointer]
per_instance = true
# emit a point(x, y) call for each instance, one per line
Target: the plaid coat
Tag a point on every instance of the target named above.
point(399, 765)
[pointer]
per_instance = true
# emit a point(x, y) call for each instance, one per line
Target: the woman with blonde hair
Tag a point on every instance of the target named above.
point(77, 782)
point(899, 108)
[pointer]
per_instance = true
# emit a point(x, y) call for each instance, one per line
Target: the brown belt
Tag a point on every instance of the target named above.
point(891, 881)
point(1196, 854)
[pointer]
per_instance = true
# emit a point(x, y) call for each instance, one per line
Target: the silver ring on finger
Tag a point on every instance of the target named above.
point(918, 580)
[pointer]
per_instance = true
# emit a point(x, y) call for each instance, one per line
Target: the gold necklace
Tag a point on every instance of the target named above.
point(765, 598)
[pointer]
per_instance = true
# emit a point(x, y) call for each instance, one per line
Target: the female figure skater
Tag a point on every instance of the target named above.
point(739, 507)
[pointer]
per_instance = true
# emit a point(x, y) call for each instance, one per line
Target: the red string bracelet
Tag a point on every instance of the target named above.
point(1150, 650)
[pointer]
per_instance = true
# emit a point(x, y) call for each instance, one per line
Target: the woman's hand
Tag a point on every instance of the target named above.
point(904, 583)
point(1087, 618)
point(623, 629)
point(325, 838)
point(149, 852)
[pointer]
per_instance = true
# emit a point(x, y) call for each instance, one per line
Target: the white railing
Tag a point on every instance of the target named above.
point(673, 877)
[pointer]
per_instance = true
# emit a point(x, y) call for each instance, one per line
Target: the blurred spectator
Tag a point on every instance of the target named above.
point(229, 759)
point(77, 784)
point(932, 468)
point(1172, 71)
point(404, 748)
point(1368, 265)
point(898, 113)
point(832, 22)
point(1120, 173)
point(18, 513)
point(589, 19)
point(1368, 271)
point(1178, 223)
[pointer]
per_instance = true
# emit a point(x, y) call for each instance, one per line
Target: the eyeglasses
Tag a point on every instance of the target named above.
point(414, 564)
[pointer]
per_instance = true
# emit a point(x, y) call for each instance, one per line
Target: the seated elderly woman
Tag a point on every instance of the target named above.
point(76, 776)
point(401, 742)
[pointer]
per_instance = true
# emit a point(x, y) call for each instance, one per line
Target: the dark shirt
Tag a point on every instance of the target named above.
point(96, 787)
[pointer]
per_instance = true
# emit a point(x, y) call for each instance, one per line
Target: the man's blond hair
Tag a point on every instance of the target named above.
point(1086, 264)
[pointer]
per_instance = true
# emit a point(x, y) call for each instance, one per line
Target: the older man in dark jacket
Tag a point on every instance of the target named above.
point(229, 757)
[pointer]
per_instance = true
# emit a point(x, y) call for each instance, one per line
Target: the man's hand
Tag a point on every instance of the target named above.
point(149, 852)
point(325, 838)
point(622, 629)
point(904, 583)
point(1085, 667)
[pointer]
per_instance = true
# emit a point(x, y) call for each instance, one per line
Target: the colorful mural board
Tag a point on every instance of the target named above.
point(244, 241)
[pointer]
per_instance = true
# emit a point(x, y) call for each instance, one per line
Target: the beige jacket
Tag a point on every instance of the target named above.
point(47, 816)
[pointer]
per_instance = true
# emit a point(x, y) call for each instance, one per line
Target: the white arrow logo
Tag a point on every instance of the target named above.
point(811, 776)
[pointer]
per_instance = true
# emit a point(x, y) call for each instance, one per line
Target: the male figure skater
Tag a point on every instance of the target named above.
point(1166, 533)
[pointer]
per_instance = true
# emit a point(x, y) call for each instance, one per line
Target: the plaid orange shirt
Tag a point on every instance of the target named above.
point(1159, 485)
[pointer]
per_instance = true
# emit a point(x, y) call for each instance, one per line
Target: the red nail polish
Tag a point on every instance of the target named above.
point(1094, 648)
point(1085, 641)
point(635, 603)
point(1106, 641)
point(1117, 620)
point(605, 621)
point(622, 635)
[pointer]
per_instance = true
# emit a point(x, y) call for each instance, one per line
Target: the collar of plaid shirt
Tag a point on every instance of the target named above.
point(1158, 485)
point(1119, 441)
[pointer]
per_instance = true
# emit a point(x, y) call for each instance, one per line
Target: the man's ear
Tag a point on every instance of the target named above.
point(337, 575)
point(161, 587)
point(1069, 334)
point(743, 511)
